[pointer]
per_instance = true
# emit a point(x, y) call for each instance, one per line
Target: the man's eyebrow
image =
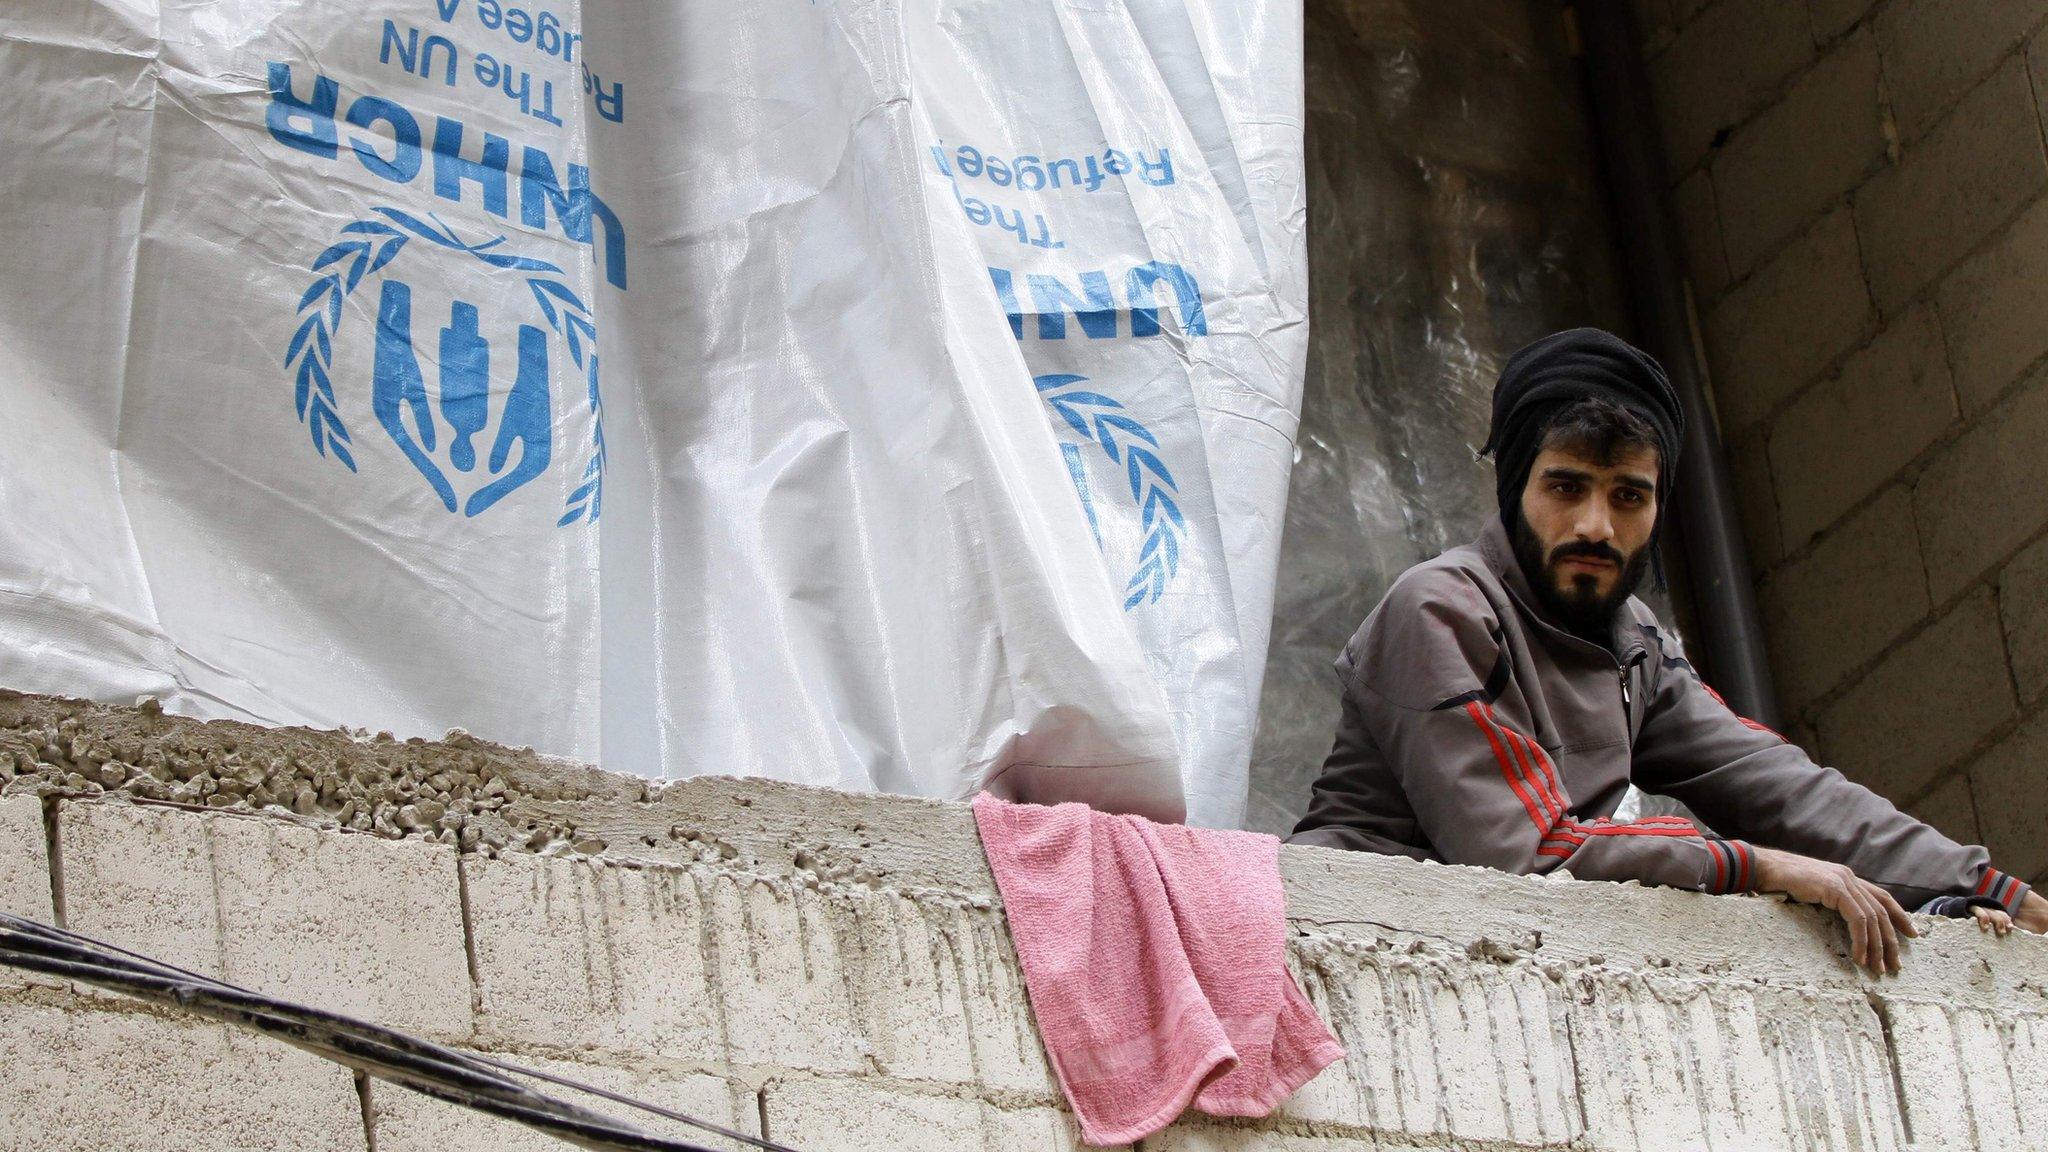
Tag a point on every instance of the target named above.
point(1560, 472)
point(1631, 480)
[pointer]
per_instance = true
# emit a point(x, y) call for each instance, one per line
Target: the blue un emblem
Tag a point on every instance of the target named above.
point(430, 387)
point(1132, 448)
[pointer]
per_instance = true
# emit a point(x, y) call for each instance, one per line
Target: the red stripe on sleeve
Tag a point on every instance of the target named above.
point(1472, 709)
point(1553, 805)
point(2004, 889)
point(1550, 771)
point(1634, 830)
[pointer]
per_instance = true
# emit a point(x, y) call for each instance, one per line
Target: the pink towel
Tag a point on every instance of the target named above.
point(1155, 956)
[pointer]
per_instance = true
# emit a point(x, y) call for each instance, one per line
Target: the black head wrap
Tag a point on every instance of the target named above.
point(1569, 366)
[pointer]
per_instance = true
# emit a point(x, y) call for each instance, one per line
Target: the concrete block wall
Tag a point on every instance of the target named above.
point(1862, 189)
point(834, 971)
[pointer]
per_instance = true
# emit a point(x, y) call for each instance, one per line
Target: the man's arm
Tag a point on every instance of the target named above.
point(1486, 793)
point(1745, 780)
point(1427, 683)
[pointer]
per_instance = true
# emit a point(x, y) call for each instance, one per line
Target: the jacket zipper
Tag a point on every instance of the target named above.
point(1625, 702)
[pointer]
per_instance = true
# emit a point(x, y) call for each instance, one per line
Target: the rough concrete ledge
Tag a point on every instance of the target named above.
point(834, 969)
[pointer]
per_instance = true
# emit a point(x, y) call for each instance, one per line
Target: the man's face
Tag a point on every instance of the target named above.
point(1586, 531)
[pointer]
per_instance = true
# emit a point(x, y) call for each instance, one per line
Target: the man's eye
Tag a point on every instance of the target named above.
point(1630, 496)
point(1565, 488)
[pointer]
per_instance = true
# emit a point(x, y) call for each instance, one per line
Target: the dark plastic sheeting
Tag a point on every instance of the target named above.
point(1454, 215)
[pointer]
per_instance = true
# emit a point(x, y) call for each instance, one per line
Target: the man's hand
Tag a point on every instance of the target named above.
point(2033, 913)
point(1994, 920)
point(1875, 920)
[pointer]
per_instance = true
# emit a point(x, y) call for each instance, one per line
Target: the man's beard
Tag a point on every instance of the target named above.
point(1579, 607)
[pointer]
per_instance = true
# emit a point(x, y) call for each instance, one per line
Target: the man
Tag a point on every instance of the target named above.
point(1502, 697)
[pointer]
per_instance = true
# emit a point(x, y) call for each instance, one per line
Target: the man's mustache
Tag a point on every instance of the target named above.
point(1589, 550)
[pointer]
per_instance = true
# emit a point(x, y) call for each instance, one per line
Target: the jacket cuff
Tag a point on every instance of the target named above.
point(2007, 890)
point(1734, 866)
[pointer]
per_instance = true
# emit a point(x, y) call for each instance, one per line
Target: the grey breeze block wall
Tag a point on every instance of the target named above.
point(1860, 187)
point(833, 970)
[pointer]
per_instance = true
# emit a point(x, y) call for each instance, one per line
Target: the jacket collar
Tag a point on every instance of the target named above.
point(1493, 544)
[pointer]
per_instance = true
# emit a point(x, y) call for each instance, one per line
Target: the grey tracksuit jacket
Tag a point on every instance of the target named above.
point(1476, 732)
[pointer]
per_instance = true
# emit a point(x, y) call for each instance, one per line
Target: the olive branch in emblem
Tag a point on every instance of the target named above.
point(366, 247)
point(1106, 421)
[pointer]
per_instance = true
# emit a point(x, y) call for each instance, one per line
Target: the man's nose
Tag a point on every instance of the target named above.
point(1594, 524)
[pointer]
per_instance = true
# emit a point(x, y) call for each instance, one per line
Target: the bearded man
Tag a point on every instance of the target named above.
point(1502, 697)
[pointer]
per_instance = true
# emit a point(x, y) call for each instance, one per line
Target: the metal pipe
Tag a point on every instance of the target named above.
point(1632, 159)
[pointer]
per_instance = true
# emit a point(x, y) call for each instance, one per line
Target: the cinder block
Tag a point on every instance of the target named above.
point(1831, 18)
point(944, 997)
point(2009, 782)
point(716, 965)
point(1954, 186)
point(1756, 499)
point(1722, 67)
point(781, 976)
point(1776, 332)
point(91, 1078)
point(1925, 705)
point(581, 954)
point(406, 1121)
point(2026, 1061)
point(1935, 50)
point(1951, 810)
point(1008, 1050)
point(1955, 1079)
point(1699, 229)
point(1799, 156)
point(1656, 25)
point(350, 923)
point(24, 861)
point(143, 878)
point(1196, 1136)
point(24, 872)
point(1440, 1050)
point(877, 1116)
point(1994, 307)
point(1840, 605)
point(2023, 609)
point(2037, 65)
point(1986, 493)
point(1846, 436)
point(1669, 1063)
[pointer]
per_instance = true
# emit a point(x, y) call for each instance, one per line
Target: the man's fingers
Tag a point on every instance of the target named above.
point(1877, 931)
point(1892, 910)
point(1894, 921)
point(1888, 934)
point(1880, 943)
point(1859, 928)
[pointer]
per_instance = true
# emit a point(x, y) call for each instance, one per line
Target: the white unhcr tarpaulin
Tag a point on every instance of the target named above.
point(879, 395)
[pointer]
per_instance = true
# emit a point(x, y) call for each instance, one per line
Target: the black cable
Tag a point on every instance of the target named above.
point(385, 1053)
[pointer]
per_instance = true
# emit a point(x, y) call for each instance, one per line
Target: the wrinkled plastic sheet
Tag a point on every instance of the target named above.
point(891, 395)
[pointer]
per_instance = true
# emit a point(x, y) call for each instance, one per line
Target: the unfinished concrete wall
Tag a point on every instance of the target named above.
point(834, 970)
point(1861, 188)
